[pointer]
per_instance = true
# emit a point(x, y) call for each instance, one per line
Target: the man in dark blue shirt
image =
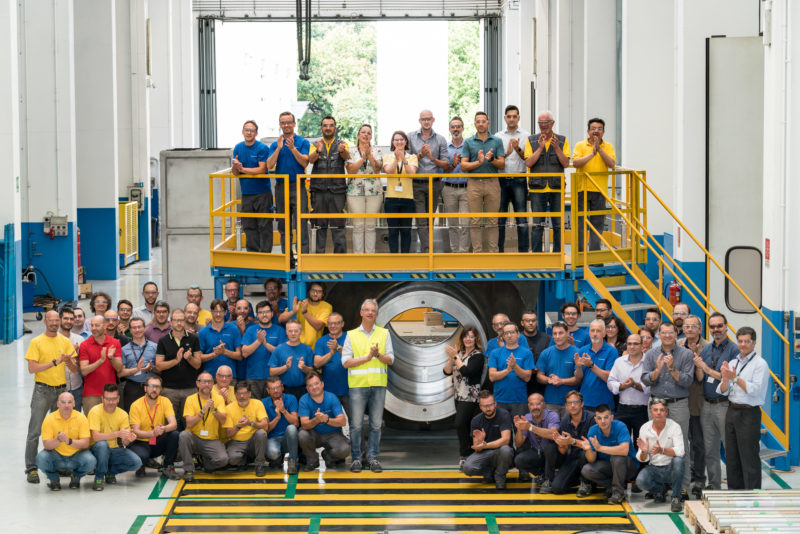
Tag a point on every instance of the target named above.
point(491, 439)
point(250, 157)
point(289, 156)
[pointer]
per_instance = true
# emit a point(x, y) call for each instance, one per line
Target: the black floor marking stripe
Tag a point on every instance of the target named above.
point(335, 504)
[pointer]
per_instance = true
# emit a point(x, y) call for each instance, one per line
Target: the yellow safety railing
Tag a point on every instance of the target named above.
point(227, 244)
point(700, 297)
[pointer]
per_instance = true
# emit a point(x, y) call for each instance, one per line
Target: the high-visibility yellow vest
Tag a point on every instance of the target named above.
point(373, 372)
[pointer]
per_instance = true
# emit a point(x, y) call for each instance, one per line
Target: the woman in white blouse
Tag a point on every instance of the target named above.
point(364, 195)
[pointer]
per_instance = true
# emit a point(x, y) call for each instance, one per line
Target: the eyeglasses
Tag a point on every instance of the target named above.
point(124, 309)
point(426, 118)
point(224, 376)
point(154, 386)
point(691, 327)
point(249, 130)
point(716, 326)
point(596, 129)
point(397, 139)
point(545, 122)
point(679, 314)
point(634, 343)
point(286, 123)
point(569, 313)
point(149, 292)
point(205, 381)
point(574, 402)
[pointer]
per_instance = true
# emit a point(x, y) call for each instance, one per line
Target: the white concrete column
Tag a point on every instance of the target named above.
point(781, 287)
point(510, 60)
point(47, 139)
point(184, 115)
point(133, 109)
point(96, 130)
point(161, 98)
point(599, 74)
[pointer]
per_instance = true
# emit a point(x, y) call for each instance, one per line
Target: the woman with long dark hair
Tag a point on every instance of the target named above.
point(465, 362)
point(399, 192)
point(617, 334)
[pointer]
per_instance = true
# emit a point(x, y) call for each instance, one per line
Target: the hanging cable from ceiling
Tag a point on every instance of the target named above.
point(304, 59)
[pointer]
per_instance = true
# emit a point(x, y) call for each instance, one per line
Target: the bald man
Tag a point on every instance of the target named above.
point(47, 356)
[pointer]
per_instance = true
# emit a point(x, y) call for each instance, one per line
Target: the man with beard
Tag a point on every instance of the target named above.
point(74, 380)
point(537, 428)
point(278, 303)
point(328, 195)
point(220, 341)
point(160, 326)
point(258, 344)
point(111, 435)
point(556, 369)
point(311, 313)
point(579, 335)
point(571, 441)
point(282, 424)
point(245, 427)
point(146, 310)
point(537, 341)
point(491, 438)
point(112, 328)
point(592, 365)
point(625, 380)
point(204, 413)
point(192, 313)
point(138, 360)
point(679, 314)
point(153, 421)
point(194, 295)
point(178, 360)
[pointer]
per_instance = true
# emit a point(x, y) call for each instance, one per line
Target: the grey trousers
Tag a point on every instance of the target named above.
point(489, 462)
point(212, 451)
point(334, 442)
point(421, 206)
point(43, 401)
point(614, 473)
point(178, 398)
point(327, 202)
point(257, 231)
point(713, 422)
point(292, 209)
point(455, 201)
point(255, 447)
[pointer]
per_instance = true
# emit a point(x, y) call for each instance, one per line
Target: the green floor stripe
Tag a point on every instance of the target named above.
point(155, 494)
point(491, 524)
point(774, 476)
point(678, 520)
point(291, 487)
point(138, 522)
point(313, 524)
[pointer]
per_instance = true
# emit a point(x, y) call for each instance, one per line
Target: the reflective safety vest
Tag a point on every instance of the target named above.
point(373, 372)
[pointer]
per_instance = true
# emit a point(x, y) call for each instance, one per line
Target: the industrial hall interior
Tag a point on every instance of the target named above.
point(319, 266)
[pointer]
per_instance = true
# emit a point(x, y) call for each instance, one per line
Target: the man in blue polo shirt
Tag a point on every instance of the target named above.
point(258, 343)
point(220, 341)
point(250, 157)
point(289, 156)
point(556, 369)
point(282, 424)
point(593, 364)
point(483, 153)
point(321, 421)
point(510, 368)
point(291, 360)
point(328, 358)
point(610, 455)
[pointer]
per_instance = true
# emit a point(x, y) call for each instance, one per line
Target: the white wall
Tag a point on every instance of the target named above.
point(781, 172)
point(9, 124)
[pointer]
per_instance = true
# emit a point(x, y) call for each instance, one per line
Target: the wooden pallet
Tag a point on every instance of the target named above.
point(697, 513)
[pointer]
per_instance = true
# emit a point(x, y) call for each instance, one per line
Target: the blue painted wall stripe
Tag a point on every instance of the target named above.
point(11, 287)
point(56, 259)
point(99, 242)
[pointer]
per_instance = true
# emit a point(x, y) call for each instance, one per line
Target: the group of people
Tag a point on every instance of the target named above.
point(238, 383)
point(602, 406)
point(410, 160)
point(221, 387)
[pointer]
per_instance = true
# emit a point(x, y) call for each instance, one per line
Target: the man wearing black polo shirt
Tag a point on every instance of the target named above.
point(537, 342)
point(178, 362)
point(491, 438)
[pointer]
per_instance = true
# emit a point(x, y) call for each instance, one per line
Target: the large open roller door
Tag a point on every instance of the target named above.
point(488, 11)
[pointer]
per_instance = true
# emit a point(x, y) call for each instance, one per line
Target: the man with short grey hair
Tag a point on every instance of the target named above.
point(431, 150)
point(669, 370)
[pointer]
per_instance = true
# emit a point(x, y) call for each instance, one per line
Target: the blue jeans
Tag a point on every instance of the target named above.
point(545, 202)
point(515, 191)
point(653, 478)
point(360, 398)
point(51, 462)
point(283, 444)
point(113, 461)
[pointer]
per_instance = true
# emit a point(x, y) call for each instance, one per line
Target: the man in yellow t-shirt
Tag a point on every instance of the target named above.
point(111, 435)
point(593, 155)
point(194, 295)
point(223, 387)
point(153, 421)
point(312, 314)
point(204, 413)
point(65, 436)
point(245, 427)
point(47, 356)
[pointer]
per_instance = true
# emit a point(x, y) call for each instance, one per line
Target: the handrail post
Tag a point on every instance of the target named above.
point(429, 216)
point(299, 221)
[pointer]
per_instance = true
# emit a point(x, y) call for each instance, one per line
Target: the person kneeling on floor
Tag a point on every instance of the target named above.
point(202, 430)
point(245, 428)
point(661, 443)
point(491, 436)
point(111, 435)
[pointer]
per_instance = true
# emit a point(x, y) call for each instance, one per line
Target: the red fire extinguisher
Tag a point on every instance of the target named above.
point(675, 290)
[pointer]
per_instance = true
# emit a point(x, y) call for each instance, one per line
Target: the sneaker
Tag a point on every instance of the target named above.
point(54, 485)
point(461, 461)
point(152, 464)
point(74, 482)
point(659, 498)
point(607, 493)
point(310, 466)
point(537, 479)
point(355, 467)
point(684, 495)
point(649, 495)
point(635, 488)
point(546, 487)
point(524, 477)
point(140, 472)
point(676, 506)
point(585, 489)
point(111, 479)
point(170, 473)
point(500, 483)
point(375, 466)
point(291, 466)
point(261, 470)
point(188, 476)
point(616, 497)
point(33, 476)
point(98, 485)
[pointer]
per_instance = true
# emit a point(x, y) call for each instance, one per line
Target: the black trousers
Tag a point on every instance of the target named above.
point(634, 416)
point(742, 438)
point(569, 473)
point(698, 456)
point(465, 411)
